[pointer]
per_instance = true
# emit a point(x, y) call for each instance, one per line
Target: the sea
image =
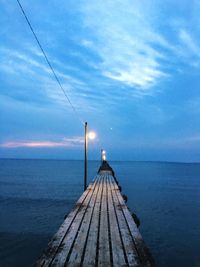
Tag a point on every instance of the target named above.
point(35, 196)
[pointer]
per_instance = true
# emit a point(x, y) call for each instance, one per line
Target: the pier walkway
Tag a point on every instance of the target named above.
point(99, 231)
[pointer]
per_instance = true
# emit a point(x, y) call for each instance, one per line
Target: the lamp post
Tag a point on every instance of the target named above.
point(85, 156)
point(90, 135)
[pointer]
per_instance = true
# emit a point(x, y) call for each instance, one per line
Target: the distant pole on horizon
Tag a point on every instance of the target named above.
point(85, 156)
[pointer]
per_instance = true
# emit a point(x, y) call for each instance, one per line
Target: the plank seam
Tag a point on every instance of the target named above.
point(84, 250)
point(120, 234)
point(69, 254)
point(133, 239)
point(120, 211)
point(130, 232)
point(61, 240)
point(109, 232)
point(97, 247)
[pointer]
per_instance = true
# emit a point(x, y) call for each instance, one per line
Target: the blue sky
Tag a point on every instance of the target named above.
point(130, 68)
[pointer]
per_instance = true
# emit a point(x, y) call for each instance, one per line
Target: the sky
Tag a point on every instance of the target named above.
point(131, 69)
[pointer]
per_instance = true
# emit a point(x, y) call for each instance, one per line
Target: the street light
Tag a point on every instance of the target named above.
point(92, 136)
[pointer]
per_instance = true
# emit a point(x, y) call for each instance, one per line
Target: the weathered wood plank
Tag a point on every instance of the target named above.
point(116, 243)
point(54, 244)
point(80, 242)
point(99, 231)
point(129, 246)
point(104, 258)
point(63, 252)
point(143, 252)
point(91, 249)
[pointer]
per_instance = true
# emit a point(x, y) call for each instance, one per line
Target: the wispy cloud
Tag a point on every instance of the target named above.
point(134, 51)
point(124, 40)
point(65, 142)
point(29, 68)
point(189, 42)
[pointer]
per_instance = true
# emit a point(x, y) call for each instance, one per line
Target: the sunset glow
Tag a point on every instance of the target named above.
point(66, 142)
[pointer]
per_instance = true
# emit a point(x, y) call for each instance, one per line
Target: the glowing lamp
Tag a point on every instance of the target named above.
point(92, 135)
point(103, 157)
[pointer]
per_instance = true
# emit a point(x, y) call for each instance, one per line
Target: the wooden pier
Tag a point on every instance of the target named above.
point(99, 231)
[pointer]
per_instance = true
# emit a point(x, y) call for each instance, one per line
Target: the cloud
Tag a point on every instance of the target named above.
point(189, 43)
point(15, 60)
point(119, 50)
point(66, 142)
point(138, 44)
point(29, 68)
point(124, 40)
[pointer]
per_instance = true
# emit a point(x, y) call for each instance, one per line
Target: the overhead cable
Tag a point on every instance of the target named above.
point(48, 62)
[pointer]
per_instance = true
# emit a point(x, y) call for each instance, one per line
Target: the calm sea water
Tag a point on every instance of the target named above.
point(35, 195)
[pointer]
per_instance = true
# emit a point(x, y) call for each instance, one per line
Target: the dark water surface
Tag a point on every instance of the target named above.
point(35, 195)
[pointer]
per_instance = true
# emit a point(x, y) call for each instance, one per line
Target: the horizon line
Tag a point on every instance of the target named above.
point(112, 160)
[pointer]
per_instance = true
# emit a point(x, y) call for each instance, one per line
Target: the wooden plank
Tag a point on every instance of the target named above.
point(54, 244)
point(91, 250)
point(143, 252)
point(64, 249)
point(129, 246)
point(80, 242)
point(118, 258)
point(104, 258)
point(99, 231)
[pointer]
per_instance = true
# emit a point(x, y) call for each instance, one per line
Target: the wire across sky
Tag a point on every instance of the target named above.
point(49, 64)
